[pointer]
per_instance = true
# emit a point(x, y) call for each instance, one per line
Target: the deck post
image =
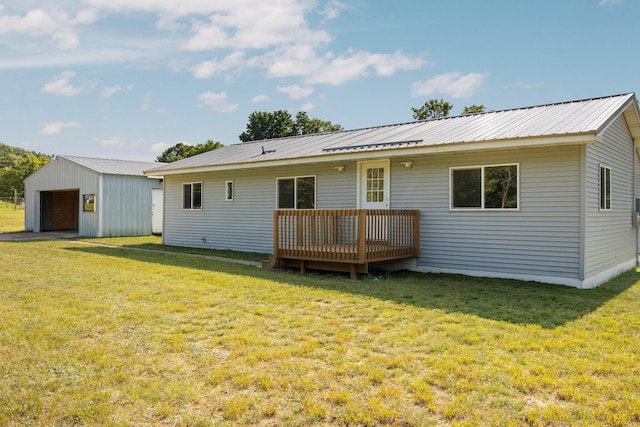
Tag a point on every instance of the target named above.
point(362, 236)
point(416, 233)
point(276, 234)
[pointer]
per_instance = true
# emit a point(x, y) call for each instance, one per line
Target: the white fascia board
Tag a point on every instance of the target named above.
point(502, 144)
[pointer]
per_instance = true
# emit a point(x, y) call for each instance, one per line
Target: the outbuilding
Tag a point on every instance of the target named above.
point(547, 193)
point(94, 197)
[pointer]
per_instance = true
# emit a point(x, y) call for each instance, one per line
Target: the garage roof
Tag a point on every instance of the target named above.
point(112, 166)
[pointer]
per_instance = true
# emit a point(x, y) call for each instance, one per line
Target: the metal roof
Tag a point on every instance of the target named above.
point(112, 166)
point(587, 117)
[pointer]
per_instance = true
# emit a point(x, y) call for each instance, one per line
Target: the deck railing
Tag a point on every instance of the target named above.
point(345, 235)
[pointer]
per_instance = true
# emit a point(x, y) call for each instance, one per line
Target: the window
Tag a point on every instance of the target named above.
point(375, 185)
point(88, 202)
point(297, 193)
point(605, 188)
point(228, 186)
point(192, 196)
point(484, 187)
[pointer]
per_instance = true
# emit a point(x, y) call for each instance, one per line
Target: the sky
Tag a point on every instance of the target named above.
point(126, 79)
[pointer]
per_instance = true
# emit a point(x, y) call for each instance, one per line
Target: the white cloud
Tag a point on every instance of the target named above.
point(148, 103)
point(61, 86)
point(208, 69)
point(118, 141)
point(526, 85)
point(608, 2)
point(333, 9)
point(54, 128)
point(356, 64)
point(247, 24)
point(296, 91)
point(110, 90)
point(454, 85)
point(306, 61)
point(58, 25)
point(259, 98)
point(218, 102)
point(308, 107)
point(112, 141)
point(159, 147)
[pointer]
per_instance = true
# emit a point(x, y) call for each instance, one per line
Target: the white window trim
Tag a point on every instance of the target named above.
point(233, 190)
point(602, 166)
point(482, 208)
point(295, 189)
point(192, 209)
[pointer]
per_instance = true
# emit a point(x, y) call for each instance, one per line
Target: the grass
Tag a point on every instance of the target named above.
point(120, 337)
point(154, 243)
point(11, 217)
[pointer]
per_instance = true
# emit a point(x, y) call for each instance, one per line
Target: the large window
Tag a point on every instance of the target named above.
point(297, 193)
point(484, 187)
point(605, 188)
point(192, 196)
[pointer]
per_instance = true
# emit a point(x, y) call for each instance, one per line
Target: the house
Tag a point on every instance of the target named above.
point(547, 193)
point(94, 197)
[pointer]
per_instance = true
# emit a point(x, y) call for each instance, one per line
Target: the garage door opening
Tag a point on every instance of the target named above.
point(59, 210)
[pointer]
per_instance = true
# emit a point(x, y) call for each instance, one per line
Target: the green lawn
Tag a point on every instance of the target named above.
point(11, 217)
point(93, 335)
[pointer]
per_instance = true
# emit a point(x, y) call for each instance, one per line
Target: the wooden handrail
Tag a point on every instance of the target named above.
point(345, 235)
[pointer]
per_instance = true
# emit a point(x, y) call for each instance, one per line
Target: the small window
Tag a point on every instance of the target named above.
point(485, 187)
point(297, 193)
point(88, 202)
point(228, 186)
point(605, 188)
point(192, 196)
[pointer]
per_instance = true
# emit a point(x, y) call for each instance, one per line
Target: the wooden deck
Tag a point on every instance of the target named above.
point(343, 239)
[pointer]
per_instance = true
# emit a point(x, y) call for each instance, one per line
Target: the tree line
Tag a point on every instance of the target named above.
point(15, 165)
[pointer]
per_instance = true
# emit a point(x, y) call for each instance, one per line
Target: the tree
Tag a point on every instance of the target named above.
point(15, 165)
point(432, 109)
point(279, 124)
point(182, 151)
point(265, 125)
point(306, 126)
point(473, 109)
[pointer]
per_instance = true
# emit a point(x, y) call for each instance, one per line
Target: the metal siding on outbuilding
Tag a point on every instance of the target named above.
point(126, 205)
point(123, 201)
point(61, 174)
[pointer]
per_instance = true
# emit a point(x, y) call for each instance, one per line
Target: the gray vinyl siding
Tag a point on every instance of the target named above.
point(126, 205)
point(610, 237)
point(246, 223)
point(542, 238)
point(61, 174)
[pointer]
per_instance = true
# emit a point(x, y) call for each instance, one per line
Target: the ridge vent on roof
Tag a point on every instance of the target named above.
point(375, 144)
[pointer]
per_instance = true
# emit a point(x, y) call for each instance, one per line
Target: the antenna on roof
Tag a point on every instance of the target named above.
point(263, 152)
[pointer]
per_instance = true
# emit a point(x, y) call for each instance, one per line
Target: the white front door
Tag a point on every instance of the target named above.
point(374, 184)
